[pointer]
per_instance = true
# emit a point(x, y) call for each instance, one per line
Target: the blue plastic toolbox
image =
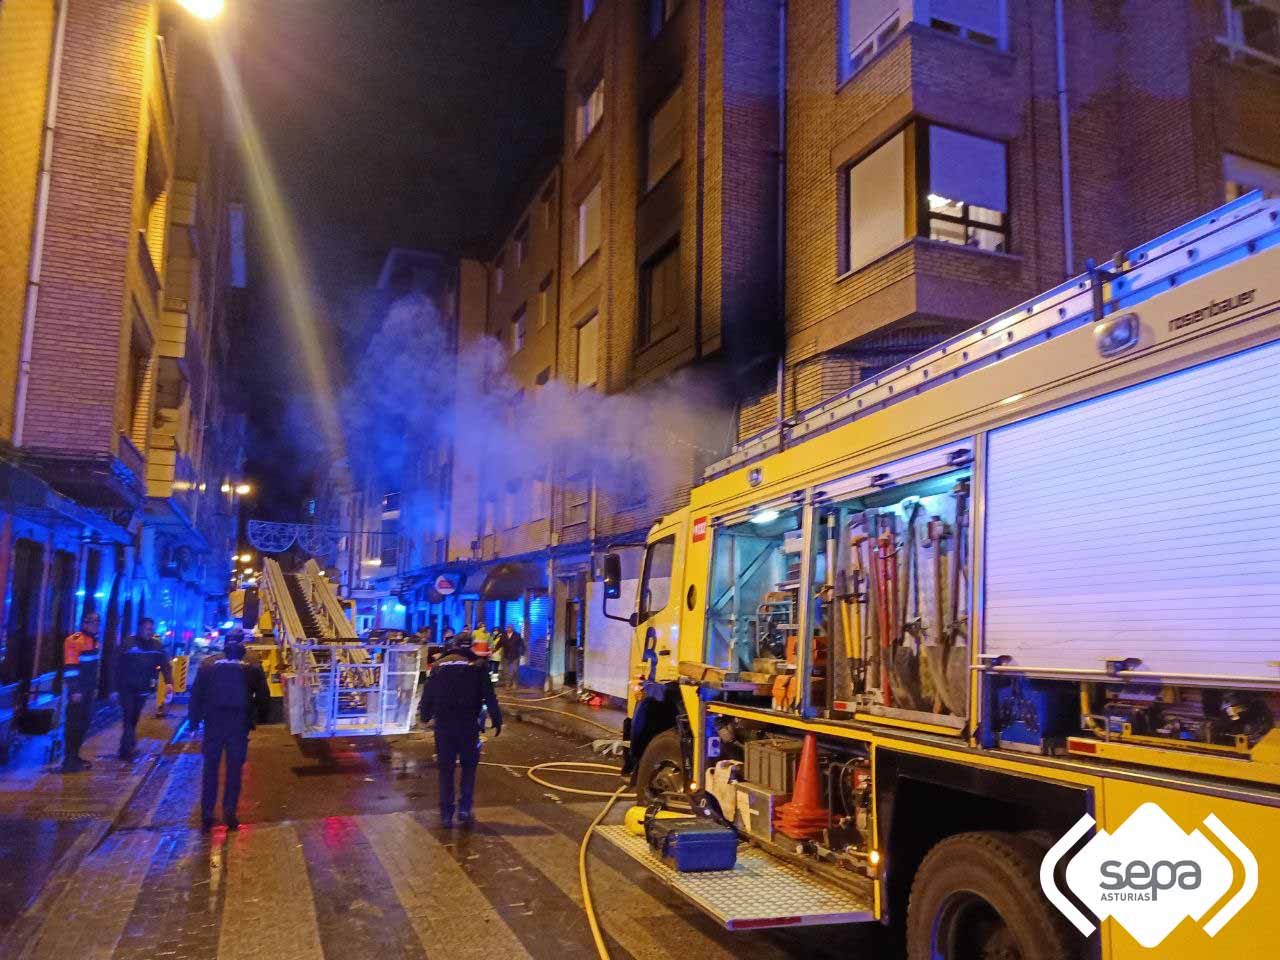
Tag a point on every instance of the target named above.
point(693, 845)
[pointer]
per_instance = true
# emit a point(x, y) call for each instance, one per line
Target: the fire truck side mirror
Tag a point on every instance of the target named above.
point(612, 576)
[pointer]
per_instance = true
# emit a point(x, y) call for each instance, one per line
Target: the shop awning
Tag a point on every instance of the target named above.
point(509, 581)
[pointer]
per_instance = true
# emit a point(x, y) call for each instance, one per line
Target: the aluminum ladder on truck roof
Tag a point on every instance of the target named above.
point(1230, 233)
point(761, 891)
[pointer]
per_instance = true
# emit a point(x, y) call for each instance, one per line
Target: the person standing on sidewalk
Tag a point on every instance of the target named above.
point(230, 697)
point(80, 664)
point(136, 672)
point(511, 646)
point(458, 691)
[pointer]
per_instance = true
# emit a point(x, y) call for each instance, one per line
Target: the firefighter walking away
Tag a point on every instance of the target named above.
point(458, 693)
point(230, 697)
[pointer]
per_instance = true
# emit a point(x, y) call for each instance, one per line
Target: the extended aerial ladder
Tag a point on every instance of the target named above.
point(333, 684)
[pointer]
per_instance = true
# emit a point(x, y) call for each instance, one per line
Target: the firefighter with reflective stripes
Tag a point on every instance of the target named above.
point(457, 694)
point(81, 660)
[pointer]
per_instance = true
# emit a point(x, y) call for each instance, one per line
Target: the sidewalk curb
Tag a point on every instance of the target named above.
point(21, 937)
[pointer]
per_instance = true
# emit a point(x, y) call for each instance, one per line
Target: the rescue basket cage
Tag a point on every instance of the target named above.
point(352, 690)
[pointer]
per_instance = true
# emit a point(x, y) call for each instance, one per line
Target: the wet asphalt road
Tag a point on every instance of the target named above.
point(345, 859)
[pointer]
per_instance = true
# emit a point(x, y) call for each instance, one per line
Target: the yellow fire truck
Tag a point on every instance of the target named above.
point(983, 610)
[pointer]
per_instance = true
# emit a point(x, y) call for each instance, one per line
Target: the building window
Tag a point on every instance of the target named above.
point(577, 499)
point(590, 110)
point(499, 275)
point(518, 330)
point(544, 376)
point(389, 546)
point(511, 507)
point(660, 11)
point(660, 294)
point(867, 26)
point(544, 301)
point(588, 339)
point(138, 385)
point(548, 206)
point(1241, 175)
point(521, 244)
point(966, 196)
point(589, 225)
point(665, 131)
point(959, 193)
point(1253, 30)
point(539, 502)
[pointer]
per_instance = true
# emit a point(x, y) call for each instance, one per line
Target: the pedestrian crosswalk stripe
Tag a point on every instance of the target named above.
point(268, 900)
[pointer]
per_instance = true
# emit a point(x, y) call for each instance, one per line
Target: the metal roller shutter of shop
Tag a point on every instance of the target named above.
point(1145, 523)
point(537, 636)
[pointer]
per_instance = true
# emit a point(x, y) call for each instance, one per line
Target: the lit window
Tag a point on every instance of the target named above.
point(966, 194)
point(1241, 175)
point(960, 190)
point(660, 11)
point(590, 110)
point(660, 295)
point(588, 340)
point(517, 331)
point(589, 225)
point(665, 133)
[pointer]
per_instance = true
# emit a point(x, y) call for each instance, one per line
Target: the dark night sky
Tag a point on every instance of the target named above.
point(416, 123)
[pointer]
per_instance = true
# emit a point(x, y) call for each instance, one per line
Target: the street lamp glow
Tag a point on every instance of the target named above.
point(204, 9)
point(243, 489)
point(226, 488)
point(246, 557)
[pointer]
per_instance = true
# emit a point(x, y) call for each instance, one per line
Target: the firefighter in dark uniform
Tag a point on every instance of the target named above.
point(81, 658)
point(458, 692)
point(230, 697)
point(136, 672)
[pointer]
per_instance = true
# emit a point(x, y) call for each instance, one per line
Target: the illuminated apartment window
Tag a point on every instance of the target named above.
point(589, 225)
point(1240, 175)
point(960, 193)
point(665, 134)
point(590, 110)
point(588, 343)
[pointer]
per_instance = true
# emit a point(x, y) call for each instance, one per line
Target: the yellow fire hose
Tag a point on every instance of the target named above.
point(564, 713)
point(581, 767)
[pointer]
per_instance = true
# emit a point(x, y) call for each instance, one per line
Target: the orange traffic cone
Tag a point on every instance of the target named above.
point(805, 816)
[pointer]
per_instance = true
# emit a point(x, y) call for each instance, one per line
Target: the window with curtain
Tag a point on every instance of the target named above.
point(660, 294)
point(590, 110)
point(588, 344)
point(877, 220)
point(664, 130)
point(518, 330)
point(589, 225)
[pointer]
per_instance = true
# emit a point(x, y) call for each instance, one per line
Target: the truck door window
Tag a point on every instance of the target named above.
point(890, 594)
point(656, 588)
point(752, 614)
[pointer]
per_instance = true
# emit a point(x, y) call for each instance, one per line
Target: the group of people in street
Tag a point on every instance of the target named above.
point(229, 696)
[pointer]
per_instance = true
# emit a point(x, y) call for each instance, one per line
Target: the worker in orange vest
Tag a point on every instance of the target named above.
point(80, 664)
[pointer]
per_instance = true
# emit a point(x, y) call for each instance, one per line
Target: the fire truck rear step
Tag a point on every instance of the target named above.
point(761, 891)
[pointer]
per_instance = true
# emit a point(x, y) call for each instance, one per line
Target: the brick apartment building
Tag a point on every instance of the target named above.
point(927, 147)
point(121, 240)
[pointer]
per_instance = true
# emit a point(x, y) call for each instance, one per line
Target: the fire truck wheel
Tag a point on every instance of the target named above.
point(976, 896)
point(661, 769)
